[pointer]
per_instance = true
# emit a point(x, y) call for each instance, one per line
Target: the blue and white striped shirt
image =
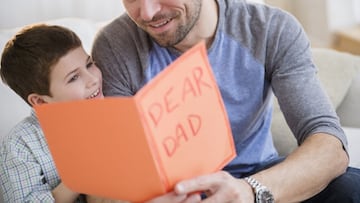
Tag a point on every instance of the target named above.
point(27, 169)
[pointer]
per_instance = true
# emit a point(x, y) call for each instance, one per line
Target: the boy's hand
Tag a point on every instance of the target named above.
point(62, 193)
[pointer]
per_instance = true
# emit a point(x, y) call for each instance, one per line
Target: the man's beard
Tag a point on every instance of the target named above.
point(171, 39)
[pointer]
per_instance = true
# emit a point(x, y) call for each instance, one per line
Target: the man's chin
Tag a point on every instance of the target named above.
point(165, 43)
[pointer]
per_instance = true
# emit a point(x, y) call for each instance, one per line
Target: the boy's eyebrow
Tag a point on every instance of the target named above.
point(88, 58)
point(67, 75)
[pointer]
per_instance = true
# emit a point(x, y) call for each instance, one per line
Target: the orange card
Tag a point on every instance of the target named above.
point(136, 148)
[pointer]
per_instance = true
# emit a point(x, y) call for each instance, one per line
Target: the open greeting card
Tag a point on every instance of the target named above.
point(136, 148)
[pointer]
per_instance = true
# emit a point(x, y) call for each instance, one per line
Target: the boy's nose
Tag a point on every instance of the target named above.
point(92, 79)
point(148, 9)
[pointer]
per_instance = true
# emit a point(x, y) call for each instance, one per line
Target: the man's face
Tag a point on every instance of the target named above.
point(167, 21)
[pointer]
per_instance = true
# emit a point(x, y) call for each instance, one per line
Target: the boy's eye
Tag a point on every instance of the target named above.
point(91, 63)
point(73, 78)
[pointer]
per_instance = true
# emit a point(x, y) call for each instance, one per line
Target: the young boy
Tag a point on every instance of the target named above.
point(42, 64)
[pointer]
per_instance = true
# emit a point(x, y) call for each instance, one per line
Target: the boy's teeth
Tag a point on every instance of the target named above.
point(94, 94)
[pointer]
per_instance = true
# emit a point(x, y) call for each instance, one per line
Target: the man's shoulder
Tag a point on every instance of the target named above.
point(123, 37)
point(119, 24)
point(252, 13)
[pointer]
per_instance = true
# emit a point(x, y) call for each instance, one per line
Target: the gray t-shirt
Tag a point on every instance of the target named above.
point(257, 50)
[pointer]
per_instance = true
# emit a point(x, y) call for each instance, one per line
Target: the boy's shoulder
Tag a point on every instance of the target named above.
point(22, 134)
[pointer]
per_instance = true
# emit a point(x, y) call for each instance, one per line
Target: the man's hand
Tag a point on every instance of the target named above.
point(171, 197)
point(219, 187)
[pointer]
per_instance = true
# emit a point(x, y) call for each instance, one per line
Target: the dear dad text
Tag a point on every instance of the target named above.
point(191, 88)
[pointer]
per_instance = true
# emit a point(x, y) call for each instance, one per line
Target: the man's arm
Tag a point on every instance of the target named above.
point(307, 171)
point(304, 173)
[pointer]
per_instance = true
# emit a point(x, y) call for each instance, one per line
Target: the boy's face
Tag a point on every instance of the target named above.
point(74, 77)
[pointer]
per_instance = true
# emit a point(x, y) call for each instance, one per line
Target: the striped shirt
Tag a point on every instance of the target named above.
point(27, 169)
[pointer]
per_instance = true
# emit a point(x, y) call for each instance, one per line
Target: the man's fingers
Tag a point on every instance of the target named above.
point(169, 197)
point(201, 183)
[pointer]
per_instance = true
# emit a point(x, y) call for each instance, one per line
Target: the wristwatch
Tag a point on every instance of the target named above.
point(262, 193)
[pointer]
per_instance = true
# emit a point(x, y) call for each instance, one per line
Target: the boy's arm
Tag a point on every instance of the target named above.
point(22, 178)
point(63, 194)
point(22, 165)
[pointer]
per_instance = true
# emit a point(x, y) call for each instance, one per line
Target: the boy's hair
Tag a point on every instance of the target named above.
point(28, 57)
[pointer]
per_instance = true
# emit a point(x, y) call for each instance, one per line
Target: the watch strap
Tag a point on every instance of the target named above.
point(262, 194)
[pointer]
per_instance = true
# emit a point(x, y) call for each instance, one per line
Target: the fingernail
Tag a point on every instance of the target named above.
point(179, 189)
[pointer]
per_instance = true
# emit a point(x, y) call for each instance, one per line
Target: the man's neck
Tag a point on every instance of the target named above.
point(204, 29)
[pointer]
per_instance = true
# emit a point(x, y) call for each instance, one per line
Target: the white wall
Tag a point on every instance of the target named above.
point(356, 10)
point(321, 18)
point(313, 16)
point(341, 13)
point(15, 13)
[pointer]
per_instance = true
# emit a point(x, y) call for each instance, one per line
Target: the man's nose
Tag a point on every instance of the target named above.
point(148, 9)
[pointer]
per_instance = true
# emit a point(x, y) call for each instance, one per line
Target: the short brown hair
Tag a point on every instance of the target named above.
point(29, 56)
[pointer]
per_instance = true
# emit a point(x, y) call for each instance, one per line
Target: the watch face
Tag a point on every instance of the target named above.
point(264, 196)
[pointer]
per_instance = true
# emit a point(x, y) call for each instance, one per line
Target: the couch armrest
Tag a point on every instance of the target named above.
point(349, 109)
point(353, 137)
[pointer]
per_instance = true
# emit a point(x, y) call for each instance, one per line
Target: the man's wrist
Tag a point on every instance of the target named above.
point(262, 193)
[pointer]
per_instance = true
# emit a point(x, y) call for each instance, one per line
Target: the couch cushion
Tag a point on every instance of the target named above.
point(12, 108)
point(336, 72)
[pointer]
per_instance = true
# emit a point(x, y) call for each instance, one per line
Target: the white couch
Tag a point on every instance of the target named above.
point(339, 72)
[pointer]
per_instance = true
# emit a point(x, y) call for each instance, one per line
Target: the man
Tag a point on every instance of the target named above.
point(254, 50)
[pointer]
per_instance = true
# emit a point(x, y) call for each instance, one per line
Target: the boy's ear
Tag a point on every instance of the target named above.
point(35, 99)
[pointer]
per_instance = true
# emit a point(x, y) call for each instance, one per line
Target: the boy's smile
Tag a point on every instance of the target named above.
point(95, 94)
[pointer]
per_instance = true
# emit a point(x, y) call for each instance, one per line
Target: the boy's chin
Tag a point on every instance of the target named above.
point(101, 96)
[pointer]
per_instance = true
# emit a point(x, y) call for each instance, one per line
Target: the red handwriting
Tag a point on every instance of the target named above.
point(183, 132)
point(192, 86)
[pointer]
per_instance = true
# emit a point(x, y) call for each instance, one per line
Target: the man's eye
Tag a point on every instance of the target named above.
point(73, 78)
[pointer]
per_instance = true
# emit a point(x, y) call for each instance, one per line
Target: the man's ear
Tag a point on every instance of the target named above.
point(36, 99)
